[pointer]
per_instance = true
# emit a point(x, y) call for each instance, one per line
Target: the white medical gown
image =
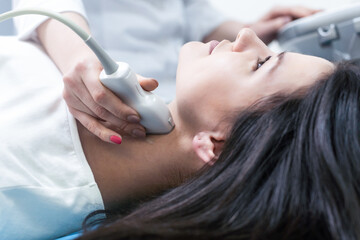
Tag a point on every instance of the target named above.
point(148, 34)
point(46, 185)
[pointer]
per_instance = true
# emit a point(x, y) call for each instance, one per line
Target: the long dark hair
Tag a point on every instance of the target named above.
point(289, 172)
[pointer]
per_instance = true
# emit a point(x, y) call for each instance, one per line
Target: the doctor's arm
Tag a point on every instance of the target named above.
point(93, 105)
point(266, 27)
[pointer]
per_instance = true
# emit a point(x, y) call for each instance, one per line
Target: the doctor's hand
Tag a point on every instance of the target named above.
point(97, 108)
point(268, 26)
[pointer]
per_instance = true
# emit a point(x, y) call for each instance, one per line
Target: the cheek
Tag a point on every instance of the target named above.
point(212, 86)
point(199, 100)
point(208, 99)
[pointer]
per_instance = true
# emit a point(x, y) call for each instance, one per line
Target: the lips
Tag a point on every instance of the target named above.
point(213, 45)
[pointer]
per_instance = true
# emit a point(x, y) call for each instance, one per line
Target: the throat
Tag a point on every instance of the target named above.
point(138, 167)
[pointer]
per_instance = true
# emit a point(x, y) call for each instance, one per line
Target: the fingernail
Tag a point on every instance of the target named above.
point(133, 119)
point(157, 83)
point(138, 133)
point(116, 139)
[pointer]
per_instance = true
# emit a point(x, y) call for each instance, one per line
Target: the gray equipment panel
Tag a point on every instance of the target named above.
point(334, 34)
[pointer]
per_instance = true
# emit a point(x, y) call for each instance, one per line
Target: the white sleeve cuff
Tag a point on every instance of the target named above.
point(26, 25)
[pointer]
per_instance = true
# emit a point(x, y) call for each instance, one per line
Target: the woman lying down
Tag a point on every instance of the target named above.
point(267, 144)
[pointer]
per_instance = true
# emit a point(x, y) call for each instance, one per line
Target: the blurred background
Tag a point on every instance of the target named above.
point(244, 10)
point(251, 10)
point(6, 28)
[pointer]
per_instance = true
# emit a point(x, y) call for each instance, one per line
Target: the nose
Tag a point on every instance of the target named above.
point(247, 39)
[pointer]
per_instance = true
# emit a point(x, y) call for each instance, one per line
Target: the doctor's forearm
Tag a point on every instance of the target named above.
point(63, 46)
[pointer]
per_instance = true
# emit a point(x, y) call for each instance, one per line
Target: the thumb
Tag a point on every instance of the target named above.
point(148, 84)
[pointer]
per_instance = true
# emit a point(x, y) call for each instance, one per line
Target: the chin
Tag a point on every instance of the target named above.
point(193, 50)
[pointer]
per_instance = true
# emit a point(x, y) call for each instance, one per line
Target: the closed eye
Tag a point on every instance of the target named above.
point(261, 62)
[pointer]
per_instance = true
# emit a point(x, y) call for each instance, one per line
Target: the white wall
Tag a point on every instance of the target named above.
point(250, 10)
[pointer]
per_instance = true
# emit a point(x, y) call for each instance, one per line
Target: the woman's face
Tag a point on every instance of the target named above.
point(215, 79)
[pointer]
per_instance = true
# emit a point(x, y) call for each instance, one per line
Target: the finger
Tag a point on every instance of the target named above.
point(317, 11)
point(268, 30)
point(130, 129)
point(102, 98)
point(136, 131)
point(300, 12)
point(95, 127)
point(75, 92)
point(148, 84)
point(121, 124)
point(293, 12)
point(80, 99)
point(74, 102)
point(271, 27)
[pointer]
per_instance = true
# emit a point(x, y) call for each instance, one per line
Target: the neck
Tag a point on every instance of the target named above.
point(139, 167)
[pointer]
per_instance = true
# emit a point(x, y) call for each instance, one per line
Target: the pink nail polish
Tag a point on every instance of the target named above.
point(116, 139)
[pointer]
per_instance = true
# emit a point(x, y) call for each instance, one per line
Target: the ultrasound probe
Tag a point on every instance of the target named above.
point(117, 76)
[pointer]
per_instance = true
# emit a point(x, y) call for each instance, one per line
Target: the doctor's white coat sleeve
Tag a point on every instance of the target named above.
point(26, 25)
point(202, 18)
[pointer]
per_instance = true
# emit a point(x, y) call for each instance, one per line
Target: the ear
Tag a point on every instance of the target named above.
point(208, 146)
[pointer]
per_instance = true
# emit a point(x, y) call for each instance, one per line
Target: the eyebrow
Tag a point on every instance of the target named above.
point(280, 58)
